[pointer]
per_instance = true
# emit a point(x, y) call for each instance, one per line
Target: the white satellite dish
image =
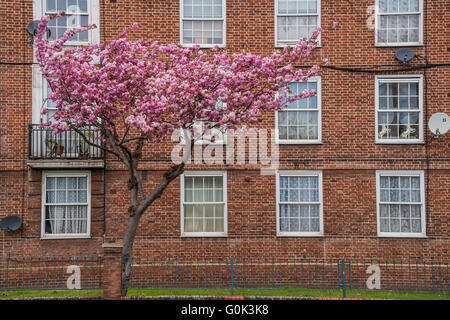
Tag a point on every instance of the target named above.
point(439, 123)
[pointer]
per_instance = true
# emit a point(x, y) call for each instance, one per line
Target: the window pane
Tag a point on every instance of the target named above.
point(284, 182)
point(315, 227)
point(209, 211)
point(302, 7)
point(414, 21)
point(82, 196)
point(50, 6)
point(414, 35)
point(394, 195)
point(415, 211)
point(51, 197)
point(188, 182)
point(384, 182)
point(405, 225)
point(384, 225)
point(284, 225)
point(415, 196)
point(188, 195)
point(198, 195)
point(404, 211)
point(72, 6)
point(188, 225)
point(284, 210)
point(51, 183)
point(393, 6)
point(294, 225)
point(384, 210)
point(403, 6)
point(72, 196)
point(384, 194)
point(416, 226)
point(382, 35)
point(198, 225)
point(284, 195)
point(219, 210)
point(219, 225)
point(394, 211)
point(188, 211)
point(312, 6)
point(304, 225)
point(217, 11)
point(61, 5)
point(83, 6)
point(60, 196)
point(414, 5)
point(72, 183)
point(395, 225)
point(314, 210)
point(294, 195)
point(208, 182)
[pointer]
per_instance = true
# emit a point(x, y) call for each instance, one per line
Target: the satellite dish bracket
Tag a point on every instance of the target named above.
point(439, 124)
point(404, 54)
point(11, 223)
point(32, 28)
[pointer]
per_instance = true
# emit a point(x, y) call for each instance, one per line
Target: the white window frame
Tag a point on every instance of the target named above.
point(318, 80)
point(94, 18)
point(224, 31)
point(282, 44)
point(299, 173)
point(225, 209)
point(407, 79)
point(409, 173)
point(38, 78)
point(206, 141)
point(46, 174)
point(399, 44)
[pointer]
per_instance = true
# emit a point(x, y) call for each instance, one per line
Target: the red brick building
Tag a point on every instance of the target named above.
point(360, 173)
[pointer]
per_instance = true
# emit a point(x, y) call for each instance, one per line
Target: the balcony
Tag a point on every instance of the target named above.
point(63, 150)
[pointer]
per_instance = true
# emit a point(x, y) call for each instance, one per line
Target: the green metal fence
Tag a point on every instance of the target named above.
point(230, 273)
point(398, 275)
point(291, 274)
point(50, 273)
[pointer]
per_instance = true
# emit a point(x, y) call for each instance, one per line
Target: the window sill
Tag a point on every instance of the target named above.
point(398, 45)
point(204, 46)
point(405, 236)
point(282, 46)
point(199, 143)
point(65, 237)
point(400, 142)
point(203, 235)
point(301, 142)
point(299, 235)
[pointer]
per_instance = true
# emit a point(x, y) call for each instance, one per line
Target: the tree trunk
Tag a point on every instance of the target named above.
point(137, 209)
point(127, 250)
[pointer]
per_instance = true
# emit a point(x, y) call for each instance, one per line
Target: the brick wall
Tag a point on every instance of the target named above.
point(348, 156)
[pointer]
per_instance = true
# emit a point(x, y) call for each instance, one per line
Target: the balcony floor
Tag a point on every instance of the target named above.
point(65, 163)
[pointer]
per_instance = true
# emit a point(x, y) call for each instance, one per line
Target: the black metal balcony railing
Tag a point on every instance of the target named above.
point(44, 144)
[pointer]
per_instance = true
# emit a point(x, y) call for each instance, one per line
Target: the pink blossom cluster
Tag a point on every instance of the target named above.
point(158, 88)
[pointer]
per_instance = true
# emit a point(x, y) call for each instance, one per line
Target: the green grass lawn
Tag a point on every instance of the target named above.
point(224, 292)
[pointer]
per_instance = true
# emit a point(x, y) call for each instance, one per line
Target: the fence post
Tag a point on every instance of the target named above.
point(232, 276)
point(343, 280)
point(112, 271)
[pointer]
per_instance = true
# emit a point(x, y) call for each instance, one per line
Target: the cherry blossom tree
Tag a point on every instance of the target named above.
point(137, 93)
